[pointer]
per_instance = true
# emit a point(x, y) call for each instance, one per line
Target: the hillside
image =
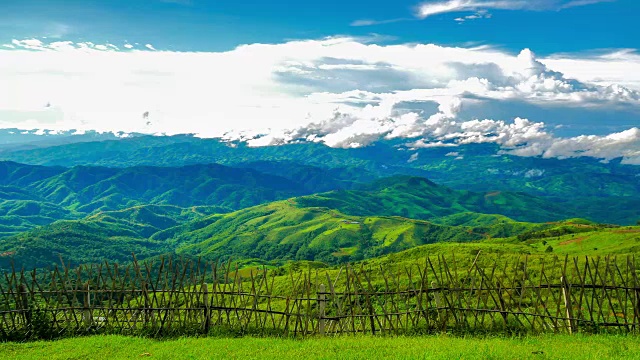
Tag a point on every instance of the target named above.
point(22, 215)
point(35, 195)
point(475, 167)
point(352, 225)
point(110, 236)
point(551, 244)
point(419, 198)
point(386, 216)
point(32, 195)
point(284, 232)
point(273, 231)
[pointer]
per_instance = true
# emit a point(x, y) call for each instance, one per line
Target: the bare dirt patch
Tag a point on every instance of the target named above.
point(573, 241)
point(627, 231)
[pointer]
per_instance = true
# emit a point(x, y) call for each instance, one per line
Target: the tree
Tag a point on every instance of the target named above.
point(549, 249)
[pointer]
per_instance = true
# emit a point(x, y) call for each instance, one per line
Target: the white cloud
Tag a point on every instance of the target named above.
point(128, 46)
point(339, 91)
point(619, 67)
point(30, 44)
point(369, 22)
point(480, 14)
point(576, 3)
point(431, 8)
point(150, 47)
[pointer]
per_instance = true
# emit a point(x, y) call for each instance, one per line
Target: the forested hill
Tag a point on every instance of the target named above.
point(386, 216)
point(35, 195)
point(477, 167)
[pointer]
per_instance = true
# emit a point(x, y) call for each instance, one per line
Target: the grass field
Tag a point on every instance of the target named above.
point(434, 347)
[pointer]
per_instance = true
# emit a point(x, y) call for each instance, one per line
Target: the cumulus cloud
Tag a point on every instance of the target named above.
point(614, 68)
point(431, 8)
point(344, 92)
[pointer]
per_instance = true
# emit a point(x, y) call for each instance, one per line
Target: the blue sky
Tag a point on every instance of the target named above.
point(553, 78)
point(214, 25)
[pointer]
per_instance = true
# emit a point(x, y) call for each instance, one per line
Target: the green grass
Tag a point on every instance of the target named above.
point(611, 242)
point(436, 347)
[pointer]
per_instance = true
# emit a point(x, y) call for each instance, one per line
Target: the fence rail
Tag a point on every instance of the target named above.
point(169, 296)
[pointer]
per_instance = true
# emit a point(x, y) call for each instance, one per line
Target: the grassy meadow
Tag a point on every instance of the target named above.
point(434, 347)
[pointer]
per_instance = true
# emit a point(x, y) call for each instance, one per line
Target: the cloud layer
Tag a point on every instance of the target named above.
point(344, 92)
point(430, 8)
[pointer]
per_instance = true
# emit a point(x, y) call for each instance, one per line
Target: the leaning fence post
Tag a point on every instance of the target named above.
point(503, 306)
point(25, 305)
point(86, 313)
point(436, 296)
point(207, 308)
point(566, 294)
point(287, 316)
point(321, 308)
point(636, 285)
point(147, 312)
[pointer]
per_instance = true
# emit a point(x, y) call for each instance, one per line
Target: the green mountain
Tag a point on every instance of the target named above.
point(35, 195)
point(494, 226)
point(419, 198)
point(276, 231)
point(332, 227)
point(356, 224)
point(22, 215)
point(110, 235)
point(285, 232)
point(87, 189)
point(475, 167)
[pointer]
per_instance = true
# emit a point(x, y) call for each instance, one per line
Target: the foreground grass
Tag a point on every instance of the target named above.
point(432, 347)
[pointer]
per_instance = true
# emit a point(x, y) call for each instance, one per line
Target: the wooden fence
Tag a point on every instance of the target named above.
point(169, 296)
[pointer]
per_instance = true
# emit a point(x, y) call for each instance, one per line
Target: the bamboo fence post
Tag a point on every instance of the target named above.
point(321, 308)
point(436, 296)
point(502, 305)
point(24, 304)
point(207, 308)
point(566, 294)
point(636, 285)
point(146, 310)
point(599, 295)
point(86, 313)
point(287, 316)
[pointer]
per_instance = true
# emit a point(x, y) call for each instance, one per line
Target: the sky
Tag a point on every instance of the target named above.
point(552, 78)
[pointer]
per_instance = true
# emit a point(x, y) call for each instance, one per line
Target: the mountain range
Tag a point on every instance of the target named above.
point(87, 200)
